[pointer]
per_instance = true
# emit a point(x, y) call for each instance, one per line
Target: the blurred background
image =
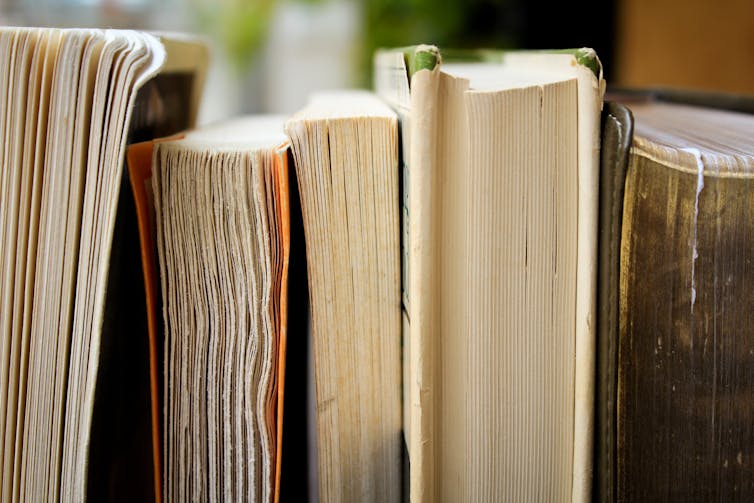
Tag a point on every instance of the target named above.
point(268, 55)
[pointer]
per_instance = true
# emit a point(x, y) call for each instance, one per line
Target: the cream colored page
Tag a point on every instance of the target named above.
point(323, 313)
point(84, 340)
point(590, 91)
point(11, 170)
point(8, 51)
point(109, 57)
point(520, 268)
point(351, 222)
point(271, 206)
point(452, 337)
point(35, 155)
point(487, 189)
point(7, 47)
point(163, 225)
point(78, 161)
point(112, 49)
point(231, 160)
point(144, 59)
point(263, 162)
point(179, 230)
point(51, 290)
point(214, 241)
point(19, 344)
point(15, 52)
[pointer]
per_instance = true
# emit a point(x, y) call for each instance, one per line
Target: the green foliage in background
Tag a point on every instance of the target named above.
point(446, 23)
point(240, 26)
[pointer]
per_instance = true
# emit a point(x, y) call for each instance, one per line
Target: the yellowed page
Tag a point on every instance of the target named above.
point(443, 328)
point(346, 158)
point(590, 91)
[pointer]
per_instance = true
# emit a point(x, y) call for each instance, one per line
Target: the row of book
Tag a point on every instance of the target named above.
point(508, 287)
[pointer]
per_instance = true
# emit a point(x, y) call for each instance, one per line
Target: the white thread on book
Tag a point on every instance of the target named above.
point(699, 186)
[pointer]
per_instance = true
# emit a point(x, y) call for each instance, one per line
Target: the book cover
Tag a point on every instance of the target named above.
point(673, 423)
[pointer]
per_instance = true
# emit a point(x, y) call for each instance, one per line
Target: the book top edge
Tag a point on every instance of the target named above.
point(427, 57)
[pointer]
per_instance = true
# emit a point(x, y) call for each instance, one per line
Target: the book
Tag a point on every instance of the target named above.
point(499, 209)
point(345, 151)
point(69, 102)
point(675, 358)
point(533, 140)
point(222, 228)
point(472, 247)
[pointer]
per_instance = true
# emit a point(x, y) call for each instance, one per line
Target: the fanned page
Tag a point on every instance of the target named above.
point(501, 195)
point(221, 222)
point(65, 100)
point(685, 359)
point(346, 158)
point(58, 76)
point(119, 434)
point(21, 179)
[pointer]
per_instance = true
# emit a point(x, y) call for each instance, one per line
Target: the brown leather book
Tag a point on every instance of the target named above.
point(675, 416)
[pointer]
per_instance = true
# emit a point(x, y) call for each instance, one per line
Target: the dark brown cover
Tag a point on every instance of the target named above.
point(681, 427)
point(617, 131)
point(686, 343)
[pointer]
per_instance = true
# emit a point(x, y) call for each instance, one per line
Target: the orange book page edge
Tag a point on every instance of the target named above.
point(139, 160)
point(283, 197)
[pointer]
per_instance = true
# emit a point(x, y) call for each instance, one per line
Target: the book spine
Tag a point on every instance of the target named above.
point(617, 130)
point(422, 188)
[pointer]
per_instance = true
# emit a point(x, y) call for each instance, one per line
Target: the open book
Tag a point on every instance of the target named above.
point(70, 100)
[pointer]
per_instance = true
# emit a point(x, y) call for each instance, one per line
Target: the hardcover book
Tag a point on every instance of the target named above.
point(675, 319)
point(460, 254)
point(499, 213)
